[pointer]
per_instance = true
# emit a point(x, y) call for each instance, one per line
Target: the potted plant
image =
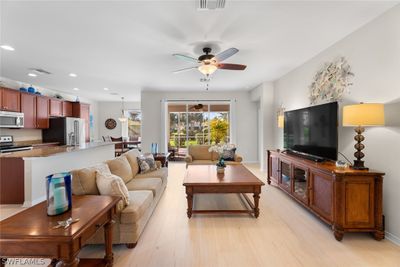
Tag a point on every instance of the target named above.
point(220, 148)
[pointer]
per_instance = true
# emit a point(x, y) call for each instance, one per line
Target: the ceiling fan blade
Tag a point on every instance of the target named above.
point(185, 69)
point(228, 66)
point(225, 54)
point(187, 58)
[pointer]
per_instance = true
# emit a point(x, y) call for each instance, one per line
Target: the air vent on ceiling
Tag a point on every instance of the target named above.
point(210, 4)
point(40, 71)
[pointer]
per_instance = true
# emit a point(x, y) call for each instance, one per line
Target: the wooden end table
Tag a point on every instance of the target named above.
point(30, 233)
point(163, 158)
point(202, 179)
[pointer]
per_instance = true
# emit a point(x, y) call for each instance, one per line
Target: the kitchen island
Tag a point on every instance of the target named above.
point(22, 174)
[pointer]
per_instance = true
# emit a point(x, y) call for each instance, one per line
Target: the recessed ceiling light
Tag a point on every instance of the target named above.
point(32, 74)
point(7, 47)
point(75, 89)
point(106, 89)
point(73, 75)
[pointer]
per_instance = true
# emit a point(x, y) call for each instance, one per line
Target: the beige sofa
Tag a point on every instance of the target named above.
point(145, 190)
point(199, 155)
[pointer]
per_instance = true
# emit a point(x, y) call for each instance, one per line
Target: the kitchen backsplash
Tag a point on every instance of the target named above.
point(22, 134)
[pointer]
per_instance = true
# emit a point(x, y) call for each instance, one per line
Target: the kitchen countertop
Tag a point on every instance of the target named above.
point(47, 151)
point(36, 143)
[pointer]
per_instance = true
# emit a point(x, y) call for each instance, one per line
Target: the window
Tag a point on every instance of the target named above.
point(195, 123)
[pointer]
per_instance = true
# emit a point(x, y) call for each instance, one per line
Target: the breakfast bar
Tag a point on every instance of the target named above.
point(22, 174)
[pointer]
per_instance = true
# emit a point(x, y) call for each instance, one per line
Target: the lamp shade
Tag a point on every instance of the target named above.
point(281, 120)
point(207, 69)
point(364, 115)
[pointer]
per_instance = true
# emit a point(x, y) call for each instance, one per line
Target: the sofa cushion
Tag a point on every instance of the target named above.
point(140, 202)
point(132, 155)
point(112, 185)
point(84, 180)
point(159, 173)
point(153, 184)
point(199, 152)
point(120, 166)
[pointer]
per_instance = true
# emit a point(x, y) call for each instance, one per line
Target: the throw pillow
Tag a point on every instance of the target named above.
point(132, 155)
point(120, 166)
point(229, 154)
point(112, 185)
point(84, 180)
point(147, 163)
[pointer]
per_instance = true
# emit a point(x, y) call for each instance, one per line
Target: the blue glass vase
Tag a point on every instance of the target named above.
point(59, 193)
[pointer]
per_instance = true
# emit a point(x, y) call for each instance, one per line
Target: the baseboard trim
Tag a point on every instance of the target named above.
point(393, 238)
point(250, 162)
point(28, 203)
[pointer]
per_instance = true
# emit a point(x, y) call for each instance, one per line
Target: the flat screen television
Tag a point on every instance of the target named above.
point(312, 131)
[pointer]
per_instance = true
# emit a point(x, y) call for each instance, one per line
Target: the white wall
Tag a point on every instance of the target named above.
point(246, 118)
point(36, 134)
point(113, 110)
point(374, 55)
point(264, 96)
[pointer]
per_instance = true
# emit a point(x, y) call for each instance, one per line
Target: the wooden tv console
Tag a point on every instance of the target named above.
point(348, 200)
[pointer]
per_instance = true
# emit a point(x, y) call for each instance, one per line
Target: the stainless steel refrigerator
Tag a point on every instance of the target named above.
point(66, 131)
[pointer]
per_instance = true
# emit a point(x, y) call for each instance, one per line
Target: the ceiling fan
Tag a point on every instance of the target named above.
point(198, 107)
point(208, 63)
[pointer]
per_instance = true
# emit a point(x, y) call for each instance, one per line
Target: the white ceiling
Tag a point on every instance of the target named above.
point(127, 45)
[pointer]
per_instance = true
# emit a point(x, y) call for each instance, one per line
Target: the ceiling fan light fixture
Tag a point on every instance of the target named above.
point(207, 69)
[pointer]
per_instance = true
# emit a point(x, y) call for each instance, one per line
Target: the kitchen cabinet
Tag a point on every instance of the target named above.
point(82, 110)
point(28, 107)
point(56, 108)
point(67, 109)
point(12, 186)
point(42, 112)
point(10, 100)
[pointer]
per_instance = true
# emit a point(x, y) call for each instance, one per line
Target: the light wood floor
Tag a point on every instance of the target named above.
point(285, 234)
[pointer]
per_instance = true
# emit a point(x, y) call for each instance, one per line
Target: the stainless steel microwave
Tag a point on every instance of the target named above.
point(11, 119)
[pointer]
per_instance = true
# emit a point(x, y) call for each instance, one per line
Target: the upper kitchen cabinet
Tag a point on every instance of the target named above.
point(81, 110)
point(67, 109)
point(10, 100)
point(56, 107)
point(42, 112)
point(28, 107)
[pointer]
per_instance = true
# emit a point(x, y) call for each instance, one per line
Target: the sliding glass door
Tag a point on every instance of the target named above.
point(197, 123)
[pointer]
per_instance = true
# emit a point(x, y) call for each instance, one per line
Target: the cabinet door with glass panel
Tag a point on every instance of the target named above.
point(300, 182)
point(285, 175)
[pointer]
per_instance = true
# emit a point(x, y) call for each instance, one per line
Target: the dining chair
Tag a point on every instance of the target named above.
point(119, 147)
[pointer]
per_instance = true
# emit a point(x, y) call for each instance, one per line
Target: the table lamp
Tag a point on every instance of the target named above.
point(360, 115)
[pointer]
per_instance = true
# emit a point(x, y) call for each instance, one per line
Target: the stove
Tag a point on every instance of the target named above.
point(7, 145)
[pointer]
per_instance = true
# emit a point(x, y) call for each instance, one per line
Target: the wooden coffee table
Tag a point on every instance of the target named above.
point(30, 233)
point(202, 179)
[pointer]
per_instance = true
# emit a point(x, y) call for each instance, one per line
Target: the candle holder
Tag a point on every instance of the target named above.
point(59, 193)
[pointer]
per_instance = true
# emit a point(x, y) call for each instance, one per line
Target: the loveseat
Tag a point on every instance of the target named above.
point(199, 155)
point(145, 190)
